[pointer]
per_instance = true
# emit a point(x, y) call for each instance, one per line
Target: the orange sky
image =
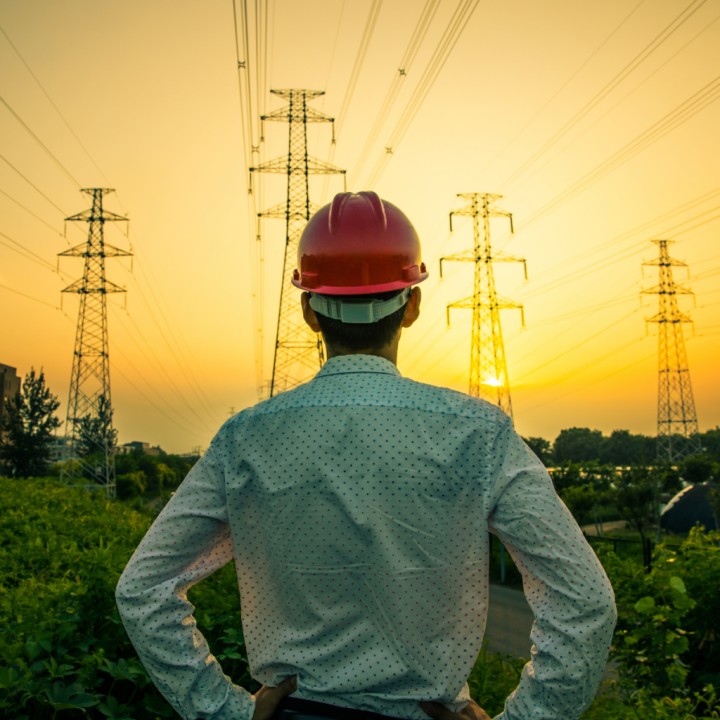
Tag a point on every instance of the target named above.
point(597, 122)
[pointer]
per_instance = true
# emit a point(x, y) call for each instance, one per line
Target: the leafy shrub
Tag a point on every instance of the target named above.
point(493, 678)
point(65, 654)
point(667, 633)
point(666, 643)
point(63, 650)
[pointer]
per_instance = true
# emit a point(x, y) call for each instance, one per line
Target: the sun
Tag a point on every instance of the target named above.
point(492, 382)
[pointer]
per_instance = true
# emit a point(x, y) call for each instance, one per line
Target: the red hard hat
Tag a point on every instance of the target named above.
point(358, 245)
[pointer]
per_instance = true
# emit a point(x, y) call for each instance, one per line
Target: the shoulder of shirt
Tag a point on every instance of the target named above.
point(409, 395)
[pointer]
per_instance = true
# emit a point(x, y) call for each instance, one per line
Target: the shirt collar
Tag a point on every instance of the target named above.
point(343, 364)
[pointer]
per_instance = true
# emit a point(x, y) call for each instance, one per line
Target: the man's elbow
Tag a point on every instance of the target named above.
point(126, 593)
point(602, 614)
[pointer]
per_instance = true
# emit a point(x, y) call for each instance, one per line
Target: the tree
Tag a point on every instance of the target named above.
point(624, 448)
point(637, 499)
point(710, 441)
point(541, 447)
point(95, 433)
point(577, 445)
point(28, 427)
point(581, 501)
point(696, 469)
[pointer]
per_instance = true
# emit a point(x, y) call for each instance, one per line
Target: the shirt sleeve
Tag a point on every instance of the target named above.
point(565, 585)
point(188, 541)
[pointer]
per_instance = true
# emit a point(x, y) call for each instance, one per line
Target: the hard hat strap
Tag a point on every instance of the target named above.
point(360, 313)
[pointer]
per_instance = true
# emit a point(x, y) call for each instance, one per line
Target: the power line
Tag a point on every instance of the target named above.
point(643, 55)
point(405, 65)
point(626, 253)
point(566, 351)
point(50, 100)
point(30, 212)
point(554, 96)
point(458, 22)
point(558, 396)
point(354, 76)
point(707, 95)
point(359, 60)
point(160, 367)
point(31, 297)
point(40, 142)
point(28, 254)
point(172, 417)
point(634, 89)
point(32, 185)
point(169, 336)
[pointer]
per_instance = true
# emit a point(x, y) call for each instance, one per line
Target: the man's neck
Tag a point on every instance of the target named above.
point(389, 352)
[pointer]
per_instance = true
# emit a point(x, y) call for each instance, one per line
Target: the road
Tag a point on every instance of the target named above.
point(509, 622)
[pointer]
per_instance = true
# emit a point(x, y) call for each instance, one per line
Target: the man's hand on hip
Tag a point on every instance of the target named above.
point(438, 711)
point(268, 698)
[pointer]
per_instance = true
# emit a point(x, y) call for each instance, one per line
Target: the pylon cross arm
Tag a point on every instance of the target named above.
point(90, 216)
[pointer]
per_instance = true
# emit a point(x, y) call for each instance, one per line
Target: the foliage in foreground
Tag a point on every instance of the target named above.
point(64, 653)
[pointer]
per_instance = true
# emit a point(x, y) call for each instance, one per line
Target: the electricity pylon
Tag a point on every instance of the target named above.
point(488, 368)
point(298, 351)
point(677, 425)
point(89, 401)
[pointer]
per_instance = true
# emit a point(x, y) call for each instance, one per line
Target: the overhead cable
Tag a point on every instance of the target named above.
point(618, 78)
point(30, 297)
point(33, 186)
point(676, 117)
point(50, 100)
point(458, 22)
point(406, 63)
point(554, 96)
point(30, 212)
point(40, 142)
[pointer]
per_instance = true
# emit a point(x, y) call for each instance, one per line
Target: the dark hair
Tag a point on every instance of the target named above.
point(353, 337)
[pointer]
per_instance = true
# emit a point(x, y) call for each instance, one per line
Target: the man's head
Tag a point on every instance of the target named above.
point(358, 259)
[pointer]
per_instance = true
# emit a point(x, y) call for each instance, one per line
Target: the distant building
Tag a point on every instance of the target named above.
point(9, 387)
point(137, 446)
point(691, 506)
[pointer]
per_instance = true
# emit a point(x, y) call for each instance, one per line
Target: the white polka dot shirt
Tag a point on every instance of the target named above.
point(357, 509)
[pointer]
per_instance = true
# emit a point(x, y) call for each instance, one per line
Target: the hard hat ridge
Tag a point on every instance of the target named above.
point(358, 244)
point(372, 213)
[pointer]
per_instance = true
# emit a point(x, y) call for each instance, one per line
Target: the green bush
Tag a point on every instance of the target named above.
point(493, 678)
point(666, 641)
point(63, 650)
point(65, 654)
point(667, 632)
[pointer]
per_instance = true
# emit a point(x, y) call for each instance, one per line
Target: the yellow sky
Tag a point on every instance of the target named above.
point(597, 122)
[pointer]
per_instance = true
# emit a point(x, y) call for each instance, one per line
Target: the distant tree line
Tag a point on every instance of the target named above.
point(621, 448)
point(27, 437)
point(141, 475)
point(598, 476)
point(617, 476)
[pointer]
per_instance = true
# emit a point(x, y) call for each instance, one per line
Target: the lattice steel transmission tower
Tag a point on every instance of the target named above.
point(677, 425)
point(298, 351)
point(89, 400)
point(488, 368)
